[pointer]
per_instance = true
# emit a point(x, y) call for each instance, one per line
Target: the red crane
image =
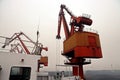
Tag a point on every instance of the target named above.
point(15, 36)
point(78, 44)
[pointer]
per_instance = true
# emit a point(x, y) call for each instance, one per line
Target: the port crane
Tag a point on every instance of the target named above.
point(79, 44)
point(17, 36)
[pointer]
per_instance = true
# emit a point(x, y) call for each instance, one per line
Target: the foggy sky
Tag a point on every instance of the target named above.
point(27, 15)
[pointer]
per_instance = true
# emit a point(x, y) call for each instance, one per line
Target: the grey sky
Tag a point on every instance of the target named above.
point(26, 15)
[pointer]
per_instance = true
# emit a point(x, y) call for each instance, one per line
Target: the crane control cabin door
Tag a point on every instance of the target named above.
point(20, 73)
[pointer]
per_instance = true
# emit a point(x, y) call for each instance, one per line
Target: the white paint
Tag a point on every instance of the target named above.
point(7, 60)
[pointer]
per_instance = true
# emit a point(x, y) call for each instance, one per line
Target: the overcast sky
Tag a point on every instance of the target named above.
point(26, 15)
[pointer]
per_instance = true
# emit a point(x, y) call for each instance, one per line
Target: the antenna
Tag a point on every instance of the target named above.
point(38, 29)
point(37, 33)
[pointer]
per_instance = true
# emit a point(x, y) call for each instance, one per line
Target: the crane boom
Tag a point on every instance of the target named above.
point(39, 46)
point(60, 20)
point(77, 23)
point(17, 35)
point(11, 39)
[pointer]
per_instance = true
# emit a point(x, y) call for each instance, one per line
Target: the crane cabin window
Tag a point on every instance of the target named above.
point(20, 73)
